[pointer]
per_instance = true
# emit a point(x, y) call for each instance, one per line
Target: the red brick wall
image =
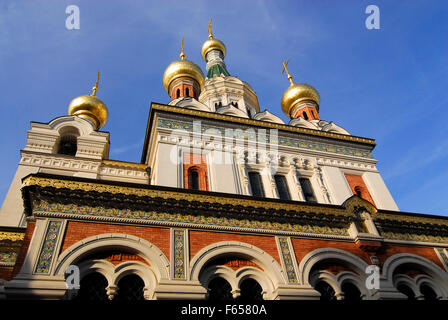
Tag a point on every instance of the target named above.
point(356, 181)
point(76, 231)
point(311, 112)
point(201, 239)
point(198, 163)
point(6, 273)
point(304, 246)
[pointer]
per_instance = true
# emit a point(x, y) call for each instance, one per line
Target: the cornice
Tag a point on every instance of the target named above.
point(247, 122)
point(258, 123)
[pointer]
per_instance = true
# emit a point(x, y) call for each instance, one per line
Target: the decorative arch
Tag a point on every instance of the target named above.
point(311, 259)
point(159, 264)
point(438, 279)
point(271, 276)
point(267, 116)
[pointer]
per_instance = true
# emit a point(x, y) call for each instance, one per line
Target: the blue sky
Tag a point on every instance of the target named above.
point(388, 84)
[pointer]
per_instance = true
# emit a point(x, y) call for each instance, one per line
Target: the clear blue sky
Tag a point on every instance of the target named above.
point(388, 84)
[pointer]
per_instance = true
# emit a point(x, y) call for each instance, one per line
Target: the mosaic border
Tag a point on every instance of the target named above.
point(47, 251)
point(282, 141)
point(8, 257)
point(287, 259)
point(154, 216)
point(179, 253)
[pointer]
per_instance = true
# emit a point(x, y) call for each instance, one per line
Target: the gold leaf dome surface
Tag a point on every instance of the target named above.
point(298, 92)
point(89, 107)
point(212, 44)
point(182, 68)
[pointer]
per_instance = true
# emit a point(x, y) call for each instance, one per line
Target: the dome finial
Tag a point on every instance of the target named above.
point(95, 88)
point(285, 63)
point(182, 54)
point(210, 34)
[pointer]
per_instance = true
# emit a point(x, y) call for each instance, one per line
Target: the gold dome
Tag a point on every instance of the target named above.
point(89, 107)
point(182, 68)
point(298, 92)
point(212, 44)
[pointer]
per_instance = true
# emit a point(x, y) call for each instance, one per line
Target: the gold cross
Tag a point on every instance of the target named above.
point(95, 88)
point(285, 63)
point(182, 54)
point(210, 34)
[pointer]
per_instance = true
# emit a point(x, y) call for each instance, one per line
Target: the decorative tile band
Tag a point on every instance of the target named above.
point(47, 251)
point(414, 237)
point(444, 256)
point(98, 212)
point(8, 257)
point(287, 259)
point(282, 141)
point(12, 236)
point(179, 254)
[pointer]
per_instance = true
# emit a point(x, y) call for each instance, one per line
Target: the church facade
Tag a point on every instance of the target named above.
point(227, 203)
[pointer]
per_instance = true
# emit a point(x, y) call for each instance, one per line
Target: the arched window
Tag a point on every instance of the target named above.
point(256, 185)
point(305, 116)
point(307, 189)
point(130, 288)
point(404, 289)
point(93, 288)
point(219, 290)
point(351, 292)
point(193, 178)
point(282, 187)
point(358, 191)
point(314, 115)
point(428, 293)
point(326, 291)
point(250, 290)
point(187, 92)
point(68, 145)
point(177, 93)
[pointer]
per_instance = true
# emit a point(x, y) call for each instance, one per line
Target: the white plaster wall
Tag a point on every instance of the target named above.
point(379, 192)
point(222, 172)
point(337, 184)
point(167, 168)
point(11, 213)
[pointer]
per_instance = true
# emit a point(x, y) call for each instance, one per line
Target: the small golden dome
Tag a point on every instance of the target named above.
point(298, 92)
point(212, 44)
point(90, 107)
point(182, 68)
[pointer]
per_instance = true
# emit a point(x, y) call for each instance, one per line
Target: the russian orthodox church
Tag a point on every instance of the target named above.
point(228, 202)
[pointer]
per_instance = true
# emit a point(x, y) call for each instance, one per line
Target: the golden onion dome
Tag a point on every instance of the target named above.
point(182, 68)
point(296, 93)
point(90, 107)
point(212, 44)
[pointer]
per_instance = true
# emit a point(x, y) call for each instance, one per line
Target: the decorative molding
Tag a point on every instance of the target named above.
point(179, 254)
point(265, 124)
point(281, 141)
point(287, 258)
point(12, 236)
point(7, 258)
point(177, 195)
point(443, 255)
point(73, 211)
point(48, 247)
